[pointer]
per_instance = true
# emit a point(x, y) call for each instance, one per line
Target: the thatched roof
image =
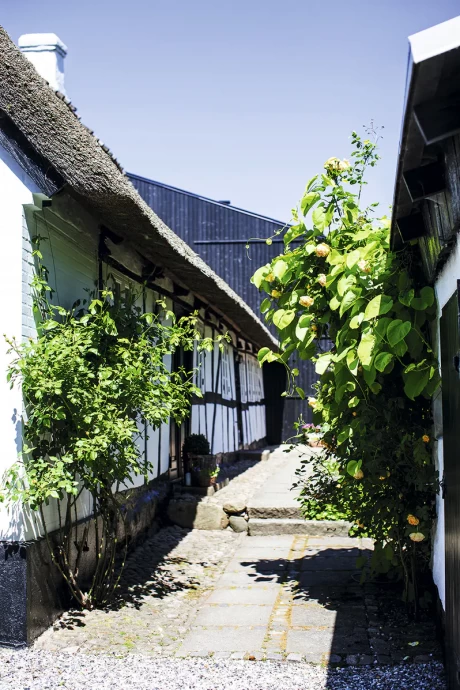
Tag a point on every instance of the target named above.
point(50, 125)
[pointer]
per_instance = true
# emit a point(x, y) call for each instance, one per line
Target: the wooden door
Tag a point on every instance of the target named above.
point(450, 354)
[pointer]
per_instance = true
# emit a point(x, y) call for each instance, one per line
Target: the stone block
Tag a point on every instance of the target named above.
point(234, 507)
point(238, 524)
point(285, 526)
point(197, 515)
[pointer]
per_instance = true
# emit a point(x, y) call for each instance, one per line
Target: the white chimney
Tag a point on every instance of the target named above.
point(46, 52)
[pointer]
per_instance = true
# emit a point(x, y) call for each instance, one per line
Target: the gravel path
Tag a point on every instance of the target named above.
point(39, 670)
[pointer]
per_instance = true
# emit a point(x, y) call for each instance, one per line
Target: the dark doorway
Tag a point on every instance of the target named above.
point(178, 432)
point(450, 353)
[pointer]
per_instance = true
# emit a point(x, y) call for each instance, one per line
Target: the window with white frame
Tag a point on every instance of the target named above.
point(226, 373)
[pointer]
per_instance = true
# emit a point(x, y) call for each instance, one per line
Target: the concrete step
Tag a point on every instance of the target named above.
point(266, 512)
point(264, 527)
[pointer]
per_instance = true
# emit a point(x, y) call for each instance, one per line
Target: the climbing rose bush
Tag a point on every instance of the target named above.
point(339, 296)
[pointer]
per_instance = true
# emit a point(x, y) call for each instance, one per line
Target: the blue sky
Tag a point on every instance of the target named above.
point(240, 100)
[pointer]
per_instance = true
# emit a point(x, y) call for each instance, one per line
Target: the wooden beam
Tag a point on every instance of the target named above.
point(411, 227)
point(439, 118)
point(425, 180)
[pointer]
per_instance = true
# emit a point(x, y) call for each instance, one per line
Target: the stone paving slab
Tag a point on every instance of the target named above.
point(233, 614)
point(199, 593)
point(223, 639)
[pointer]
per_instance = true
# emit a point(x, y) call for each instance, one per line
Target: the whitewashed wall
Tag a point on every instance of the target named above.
point(217, 417)
point(252, 395)
point(16, 190)
point(70, 254)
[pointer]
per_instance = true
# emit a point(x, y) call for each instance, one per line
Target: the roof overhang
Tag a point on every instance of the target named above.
point(431, 115)
point(43, 133)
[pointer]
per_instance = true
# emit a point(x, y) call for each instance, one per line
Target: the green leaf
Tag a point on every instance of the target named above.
point(352, 362)
point(305, 321)
point(427, 295)
point(300, 392)
point(348, 300)
point(345, 283)
point(263, 352)
point(319, 217)
point(308, 200)
point(283, 317)
point(259, 275)
point(265, 306)
point(415, 382)
point(302, 333)
point(369, 375)
point(366, 348)
point(279, 268)
point(344, 435)
point(400, 348)
point(354, 401)
point(382, 360)
point(376, 388)
point(357, 320)
point(334, 303)
point(406, 297)
point(353, 466)
point(377, 306)
point(381, 327)
point(397, 331)
point(311, 182)
point(293, 232)
point(322, 363)
point(353, 258)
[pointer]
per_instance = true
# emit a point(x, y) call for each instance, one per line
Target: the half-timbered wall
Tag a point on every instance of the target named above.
point(70, 251)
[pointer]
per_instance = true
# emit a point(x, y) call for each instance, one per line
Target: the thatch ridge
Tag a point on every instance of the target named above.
point(53, 129)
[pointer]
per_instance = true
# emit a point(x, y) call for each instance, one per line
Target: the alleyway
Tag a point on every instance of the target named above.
point(221, 602)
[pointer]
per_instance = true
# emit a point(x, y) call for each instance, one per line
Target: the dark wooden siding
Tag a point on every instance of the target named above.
point(219, 233)
point(450, 344)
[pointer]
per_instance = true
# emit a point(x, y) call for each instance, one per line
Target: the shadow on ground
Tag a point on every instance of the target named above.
point(335, 620)
point(148, 573)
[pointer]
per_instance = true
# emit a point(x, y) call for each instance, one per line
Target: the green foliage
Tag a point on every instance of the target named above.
point(344, 283)
point(196, 444)
point(93, 379)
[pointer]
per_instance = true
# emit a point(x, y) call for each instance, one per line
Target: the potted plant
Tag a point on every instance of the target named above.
point(200, 463)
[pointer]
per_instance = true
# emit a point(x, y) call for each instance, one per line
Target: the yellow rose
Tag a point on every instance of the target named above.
point(344, 165)
point(314, 328)
point(425, 438)
point(417, 536)
point(332, 163)
point(322, 249)
point(412, 520)
point(306, 301)
point(364, 266)
point(312, 402)
point(275, 294)
point(322, 279)
point(270, 278)
point(359, 474)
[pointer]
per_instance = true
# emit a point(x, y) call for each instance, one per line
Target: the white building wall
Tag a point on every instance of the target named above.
point(16, 190)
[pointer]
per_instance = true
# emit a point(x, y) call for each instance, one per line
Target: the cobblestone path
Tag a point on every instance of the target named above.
point(289, 597)
point(227, 595)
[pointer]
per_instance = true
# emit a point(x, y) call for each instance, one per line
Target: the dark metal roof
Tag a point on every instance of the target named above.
point(217, 232)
